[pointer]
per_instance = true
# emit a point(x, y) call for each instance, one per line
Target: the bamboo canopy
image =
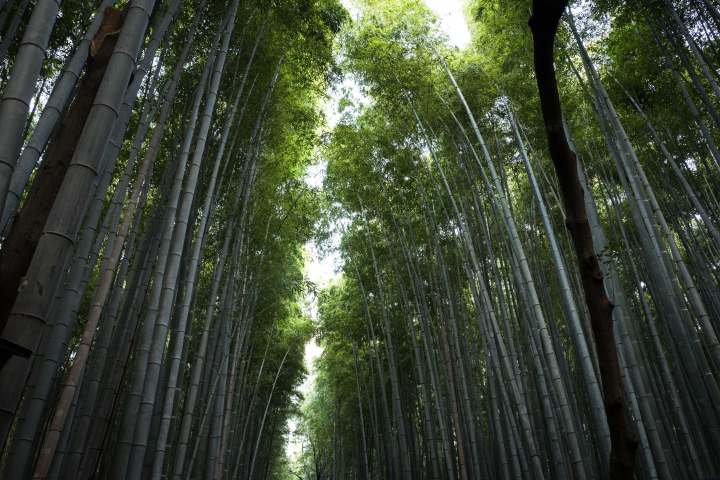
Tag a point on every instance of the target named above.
point(524, 231)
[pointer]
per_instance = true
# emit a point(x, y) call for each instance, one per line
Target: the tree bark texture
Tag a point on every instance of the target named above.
point(20, 244)
point(624, 442)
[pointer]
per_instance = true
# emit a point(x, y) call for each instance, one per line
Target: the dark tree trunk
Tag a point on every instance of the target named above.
point(22, 240)
point(544, 23)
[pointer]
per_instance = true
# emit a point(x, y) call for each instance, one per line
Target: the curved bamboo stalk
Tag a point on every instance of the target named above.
point(50, 114)
point(32, 307)
point(21, 85)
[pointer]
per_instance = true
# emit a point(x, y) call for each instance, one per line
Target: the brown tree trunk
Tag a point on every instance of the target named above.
point(22, 240)
point(544, 23)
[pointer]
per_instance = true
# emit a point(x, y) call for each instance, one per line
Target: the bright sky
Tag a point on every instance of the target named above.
point(451, 20)
point(322, 271)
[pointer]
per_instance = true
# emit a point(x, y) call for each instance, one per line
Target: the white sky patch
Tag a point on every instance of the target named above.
point(452, 20)
point(321, 270)
point(294, 444)
point(348, 87)
point(315, 175)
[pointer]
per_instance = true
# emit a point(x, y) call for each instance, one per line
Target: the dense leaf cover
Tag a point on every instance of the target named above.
point(159, 329)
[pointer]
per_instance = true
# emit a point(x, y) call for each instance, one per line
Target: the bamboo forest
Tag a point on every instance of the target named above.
point(359, 239)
